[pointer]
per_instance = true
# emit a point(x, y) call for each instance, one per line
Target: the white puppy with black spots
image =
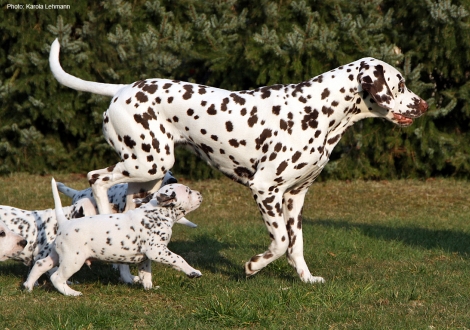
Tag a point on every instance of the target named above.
point(131, 237)
point(39, 227)
point(275, 139)
point(11, 244)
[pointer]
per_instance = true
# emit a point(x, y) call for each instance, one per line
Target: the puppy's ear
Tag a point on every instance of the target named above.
point(372, 79)
point(139, 201)
point(166, 200)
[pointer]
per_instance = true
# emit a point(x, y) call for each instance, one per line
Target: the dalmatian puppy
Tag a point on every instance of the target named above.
point(131, 237)
point(117, 197)
point(275, 140)
point(39, 228)
point(11, 244)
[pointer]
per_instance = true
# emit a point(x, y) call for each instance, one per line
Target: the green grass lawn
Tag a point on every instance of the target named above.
point(395, 255)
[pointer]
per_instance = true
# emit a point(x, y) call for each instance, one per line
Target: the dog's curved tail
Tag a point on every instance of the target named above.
point(59, 212)
point(76, 83)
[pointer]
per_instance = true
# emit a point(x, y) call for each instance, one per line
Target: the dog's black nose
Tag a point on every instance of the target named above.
point(172, 180)
point(22, 243)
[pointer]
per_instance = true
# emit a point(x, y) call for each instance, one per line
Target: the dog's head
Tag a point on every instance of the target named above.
point(11, 244)
point(390, 97)
point(177, 196)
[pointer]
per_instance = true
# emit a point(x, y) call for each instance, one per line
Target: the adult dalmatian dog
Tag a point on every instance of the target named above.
point(275, 140)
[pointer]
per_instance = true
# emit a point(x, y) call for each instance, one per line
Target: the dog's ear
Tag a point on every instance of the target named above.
point(139, 201)
point(166, 200)
point(372, 80)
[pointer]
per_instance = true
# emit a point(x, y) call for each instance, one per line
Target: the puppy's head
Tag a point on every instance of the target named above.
point(11, 244)
point(176, 196)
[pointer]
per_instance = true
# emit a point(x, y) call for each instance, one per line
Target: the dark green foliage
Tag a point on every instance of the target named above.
point(235, 45)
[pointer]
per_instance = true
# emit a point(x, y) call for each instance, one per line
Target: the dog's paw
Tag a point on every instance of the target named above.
point(248, 271)
point(313, 279)
point(28, 287)
point(195, 274)
point(147, 285)
point(129, 279)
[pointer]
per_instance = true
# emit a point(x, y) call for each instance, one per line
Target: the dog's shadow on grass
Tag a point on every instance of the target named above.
point(451, 241)
point(14, 268)
point(204, 251)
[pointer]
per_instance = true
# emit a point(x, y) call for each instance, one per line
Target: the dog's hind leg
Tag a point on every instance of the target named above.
point(131, 169)
point(66, 269)
point(270, 206)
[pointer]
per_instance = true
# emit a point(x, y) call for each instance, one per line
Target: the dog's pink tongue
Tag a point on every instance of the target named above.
point(402, 119)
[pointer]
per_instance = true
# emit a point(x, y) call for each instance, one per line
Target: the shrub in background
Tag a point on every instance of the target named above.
point(234, 45)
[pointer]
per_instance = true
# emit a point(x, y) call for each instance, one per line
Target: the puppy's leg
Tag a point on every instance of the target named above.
point(40, 267)
point(160, 253)
point(145, 274)
point(68, 267)
point(125, 275)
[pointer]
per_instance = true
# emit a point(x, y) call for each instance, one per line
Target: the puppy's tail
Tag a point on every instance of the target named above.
point(67, 191)
point(59, 212)
point(76, 83)
point(186, 222)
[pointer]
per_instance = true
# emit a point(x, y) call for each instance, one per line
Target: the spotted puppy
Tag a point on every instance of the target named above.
point(117, 197)
point(130, 237)
point(39, 227)
point(11, 244)
point(275, 140)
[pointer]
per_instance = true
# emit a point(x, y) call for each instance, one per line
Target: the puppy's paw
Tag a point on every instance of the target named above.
point(195, 274)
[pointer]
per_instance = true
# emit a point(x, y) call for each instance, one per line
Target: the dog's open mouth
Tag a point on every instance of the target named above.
point(402, 120)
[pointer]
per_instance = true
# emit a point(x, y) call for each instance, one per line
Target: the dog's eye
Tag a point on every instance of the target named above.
point(2, 233)
point(401, 86)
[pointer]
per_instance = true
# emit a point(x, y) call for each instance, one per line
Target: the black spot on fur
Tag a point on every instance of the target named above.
point(141, 97)
point(211, 110)
point(189, 92)
point(266, 134)
point(237, 99)
point(129, 142)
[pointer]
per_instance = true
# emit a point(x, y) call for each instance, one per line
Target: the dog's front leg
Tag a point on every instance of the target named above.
point(293, 203)
point(161, 253)
point(40, 267)
point(145, 274)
